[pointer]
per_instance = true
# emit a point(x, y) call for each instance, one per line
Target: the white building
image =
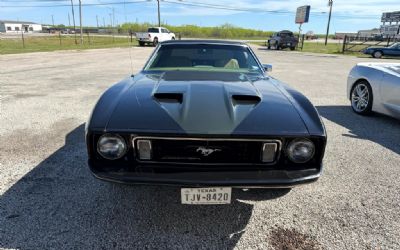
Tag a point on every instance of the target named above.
point(369, 33)
point(390, 30)
point(18, 26)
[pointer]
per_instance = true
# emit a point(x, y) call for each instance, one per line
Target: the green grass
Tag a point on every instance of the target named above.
point(52, 43)
point(319, 47)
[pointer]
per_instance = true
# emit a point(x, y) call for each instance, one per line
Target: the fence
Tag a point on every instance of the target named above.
point(30, 42)
point(357, 44)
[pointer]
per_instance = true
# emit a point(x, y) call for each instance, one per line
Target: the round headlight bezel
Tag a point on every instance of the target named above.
point(290, 148)
point(112, 136)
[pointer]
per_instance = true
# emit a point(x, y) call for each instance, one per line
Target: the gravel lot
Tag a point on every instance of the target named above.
point(49, 200)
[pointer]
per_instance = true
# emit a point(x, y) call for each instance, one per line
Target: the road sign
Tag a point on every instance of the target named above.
point(391, 16)
point(303, 14)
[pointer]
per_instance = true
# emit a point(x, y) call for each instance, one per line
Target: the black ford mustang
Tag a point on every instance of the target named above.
point(205, 114)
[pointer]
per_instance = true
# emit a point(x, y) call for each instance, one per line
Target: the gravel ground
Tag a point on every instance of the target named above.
point(50, 200)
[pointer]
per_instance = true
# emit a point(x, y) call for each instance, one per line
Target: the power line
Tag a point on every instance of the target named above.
point(67, 5)
point(185, 3)
point(224, 7)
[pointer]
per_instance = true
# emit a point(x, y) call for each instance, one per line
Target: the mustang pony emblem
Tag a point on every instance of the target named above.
point(206, 151)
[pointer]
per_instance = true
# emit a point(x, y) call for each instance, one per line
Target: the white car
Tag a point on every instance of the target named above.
point(154, 35)
point(375, 87)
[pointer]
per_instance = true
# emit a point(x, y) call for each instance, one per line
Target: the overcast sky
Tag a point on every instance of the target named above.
point(348, 15)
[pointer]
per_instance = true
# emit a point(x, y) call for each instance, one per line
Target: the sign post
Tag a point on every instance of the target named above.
point(302, 16)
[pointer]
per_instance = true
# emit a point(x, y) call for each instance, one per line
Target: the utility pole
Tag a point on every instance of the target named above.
point(104, 22)
point(73, 20)
point(159, 18)
point(330, 3)
point(113, 17)
point(52, 19)
point(110, 20)
point(80, 20)
point(69, 20)
point(97, 20)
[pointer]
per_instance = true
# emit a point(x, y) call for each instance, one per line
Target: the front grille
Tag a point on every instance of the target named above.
point(207, 151)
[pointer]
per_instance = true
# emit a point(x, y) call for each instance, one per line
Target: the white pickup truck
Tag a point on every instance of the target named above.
point(154, 35)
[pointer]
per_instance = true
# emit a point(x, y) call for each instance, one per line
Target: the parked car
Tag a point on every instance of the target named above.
point(378, 52)
point(283, 39)
point(154, 35)
point(205, 114)
point(375, 87)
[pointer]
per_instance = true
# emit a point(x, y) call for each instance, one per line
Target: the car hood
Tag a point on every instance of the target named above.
point(375, 48)
point(205, 103)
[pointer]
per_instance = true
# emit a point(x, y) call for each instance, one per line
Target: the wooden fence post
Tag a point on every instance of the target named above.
point(344, 44)
point(23, 40)
point(88, 37)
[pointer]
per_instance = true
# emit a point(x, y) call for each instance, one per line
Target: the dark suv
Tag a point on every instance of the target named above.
point(283, 39)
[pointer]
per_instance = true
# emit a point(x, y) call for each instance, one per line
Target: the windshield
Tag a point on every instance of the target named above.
point(395, 45)
point(204, 57)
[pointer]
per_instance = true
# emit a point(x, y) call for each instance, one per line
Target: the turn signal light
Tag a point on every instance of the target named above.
point(144, 149)
point(269, 152)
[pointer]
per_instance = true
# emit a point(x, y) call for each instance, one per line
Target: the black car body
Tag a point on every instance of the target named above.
point(186, 121)
point(281, 40)
point(378, 52)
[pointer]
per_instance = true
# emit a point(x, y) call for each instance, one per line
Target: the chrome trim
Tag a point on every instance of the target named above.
point(152, 56)
point(277, 156)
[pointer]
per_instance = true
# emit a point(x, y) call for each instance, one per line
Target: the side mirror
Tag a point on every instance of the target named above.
point(267, 67)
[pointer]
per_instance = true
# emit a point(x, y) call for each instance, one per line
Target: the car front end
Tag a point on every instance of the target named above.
point(204, 115)
point(205, 161)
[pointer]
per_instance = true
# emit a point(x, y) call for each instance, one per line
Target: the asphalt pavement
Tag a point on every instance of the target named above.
point(49, 200)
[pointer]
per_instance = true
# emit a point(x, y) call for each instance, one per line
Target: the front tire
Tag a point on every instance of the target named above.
point(361, 98)
point(377, 54)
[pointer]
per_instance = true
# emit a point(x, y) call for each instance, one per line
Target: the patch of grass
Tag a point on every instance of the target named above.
point(52, 43)
point(319, 47)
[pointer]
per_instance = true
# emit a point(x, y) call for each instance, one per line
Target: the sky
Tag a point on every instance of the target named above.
point(268, 15)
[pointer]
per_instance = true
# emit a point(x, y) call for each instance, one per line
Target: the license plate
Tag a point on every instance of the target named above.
point(204, 196)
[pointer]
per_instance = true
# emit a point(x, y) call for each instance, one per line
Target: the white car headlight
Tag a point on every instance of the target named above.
point(111, 146)
point(300, 150)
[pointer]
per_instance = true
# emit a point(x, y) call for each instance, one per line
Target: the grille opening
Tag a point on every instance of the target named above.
point(192, 151)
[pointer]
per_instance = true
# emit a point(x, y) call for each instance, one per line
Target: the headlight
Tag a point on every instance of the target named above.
point(111, 147)
point(300, 150)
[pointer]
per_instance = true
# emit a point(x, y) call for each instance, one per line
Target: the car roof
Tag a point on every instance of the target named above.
point(222, 42)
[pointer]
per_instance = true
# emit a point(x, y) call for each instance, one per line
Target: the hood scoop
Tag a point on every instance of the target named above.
point(169, 97)
point(245, 99)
